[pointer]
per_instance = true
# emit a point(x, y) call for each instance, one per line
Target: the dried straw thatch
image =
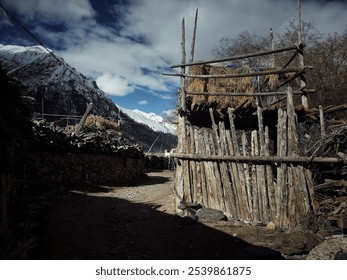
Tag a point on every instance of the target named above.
point(233, 85)
point(101, 123)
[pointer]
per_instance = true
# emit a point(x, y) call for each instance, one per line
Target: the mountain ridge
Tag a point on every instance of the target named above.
point(60, 90)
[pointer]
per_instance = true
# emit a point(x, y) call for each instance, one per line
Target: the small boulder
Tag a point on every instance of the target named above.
point(210, 215)
point(331, 249)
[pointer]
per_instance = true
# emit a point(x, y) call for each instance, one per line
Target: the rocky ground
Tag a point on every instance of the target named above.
point(138, 221)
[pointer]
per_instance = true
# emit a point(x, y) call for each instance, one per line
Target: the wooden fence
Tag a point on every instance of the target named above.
point(239, 171)
point(234, 171)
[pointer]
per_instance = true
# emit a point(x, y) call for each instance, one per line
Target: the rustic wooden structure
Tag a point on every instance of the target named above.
point(245, 160)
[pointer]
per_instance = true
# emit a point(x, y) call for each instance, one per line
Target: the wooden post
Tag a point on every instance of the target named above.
point(220, 168)
point(183, 69)
point(238, 172)
point(322, 125)
point(181, 130)
point(192, 48)
point(255, 194)
point(246, 170)
point(272, 48)
point(83, 120)
point(270, 181)
point(304, 100)
point(281, 189)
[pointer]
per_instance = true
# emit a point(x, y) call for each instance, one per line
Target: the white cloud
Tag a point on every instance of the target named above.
point(52, 11)
point(114, 85)
point(143, 102)
point(150, 35)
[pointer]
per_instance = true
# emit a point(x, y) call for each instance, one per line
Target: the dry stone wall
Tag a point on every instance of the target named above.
point(66, 168)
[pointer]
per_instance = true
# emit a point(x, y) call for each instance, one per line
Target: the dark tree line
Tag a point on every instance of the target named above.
point(326, 53)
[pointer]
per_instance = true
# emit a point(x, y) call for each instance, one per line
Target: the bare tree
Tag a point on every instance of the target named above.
point(326, 53)
point(244, 43)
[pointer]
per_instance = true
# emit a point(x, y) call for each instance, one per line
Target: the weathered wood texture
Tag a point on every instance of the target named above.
point(253, 191)
point(241, 172)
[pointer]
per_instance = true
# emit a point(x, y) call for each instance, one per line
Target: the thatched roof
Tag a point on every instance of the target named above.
point(246, 85)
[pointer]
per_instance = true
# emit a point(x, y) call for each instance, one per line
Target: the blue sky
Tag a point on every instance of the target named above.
point(125, 44)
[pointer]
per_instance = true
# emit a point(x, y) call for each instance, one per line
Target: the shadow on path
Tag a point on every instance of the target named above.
point(94, 225)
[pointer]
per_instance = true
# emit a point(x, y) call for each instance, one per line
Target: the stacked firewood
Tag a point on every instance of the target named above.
point(90, 140)
point(331, 190)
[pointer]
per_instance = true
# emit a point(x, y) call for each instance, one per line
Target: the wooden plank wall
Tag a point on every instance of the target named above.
point(280, 193)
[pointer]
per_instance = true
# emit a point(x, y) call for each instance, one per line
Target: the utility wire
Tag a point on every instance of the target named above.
point(81, 82)
point(28, 31)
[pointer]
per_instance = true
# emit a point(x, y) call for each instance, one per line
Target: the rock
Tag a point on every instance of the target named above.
point(209, 214)
point(184, 204)
point(331, 249)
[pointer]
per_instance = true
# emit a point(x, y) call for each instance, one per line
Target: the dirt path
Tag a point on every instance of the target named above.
point(138, 222)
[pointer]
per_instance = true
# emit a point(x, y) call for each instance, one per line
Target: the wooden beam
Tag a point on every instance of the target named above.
point(294, 47)
point(241, 75)
point(253, 94)
point(260, 159)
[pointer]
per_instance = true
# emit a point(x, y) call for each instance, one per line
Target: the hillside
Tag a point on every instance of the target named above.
point(62, 93)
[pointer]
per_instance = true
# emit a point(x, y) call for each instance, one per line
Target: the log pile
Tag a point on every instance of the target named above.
point(331, 190)
point(90, 140)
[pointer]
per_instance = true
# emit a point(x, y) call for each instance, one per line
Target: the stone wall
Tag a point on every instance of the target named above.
point(66, 168)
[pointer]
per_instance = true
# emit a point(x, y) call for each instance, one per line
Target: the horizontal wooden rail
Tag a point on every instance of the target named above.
point(294, 47)
point(261, 159)
point(251, 74)
point(249, 94)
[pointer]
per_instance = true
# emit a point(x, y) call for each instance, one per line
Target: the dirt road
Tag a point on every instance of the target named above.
point(139, 222)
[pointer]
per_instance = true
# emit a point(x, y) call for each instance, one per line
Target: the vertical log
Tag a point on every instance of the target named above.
point(187, 184)
point(183, 69)
point(310, 184)
point(235, 181)
point(322, 125)
point(179, 184)
point(210, 179)
point(292, 209)
point(304, 100)
point(181, 127)
point(217, 166)
point(192, 48)
point(203, 170)
point(261, 170)
point(255, 195)
point(224, 167)
point(270, 181)
point(240, 186)
point(195, 169)
point(293, 141)
point(282, 188)
point(246, 171)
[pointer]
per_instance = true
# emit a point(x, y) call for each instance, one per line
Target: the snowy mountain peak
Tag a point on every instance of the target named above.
point(157, 123)
point(62, 92)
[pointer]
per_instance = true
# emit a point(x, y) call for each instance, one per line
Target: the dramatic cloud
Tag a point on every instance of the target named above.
point(52, 11)
point(125, 45)
point(113, 85)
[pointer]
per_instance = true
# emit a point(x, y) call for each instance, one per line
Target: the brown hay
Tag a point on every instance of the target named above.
point(101, 123)
point(243, 84)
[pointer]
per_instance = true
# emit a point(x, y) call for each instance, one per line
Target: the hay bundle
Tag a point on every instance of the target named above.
point(244, 84)
point(101, 123)
point(234, 85)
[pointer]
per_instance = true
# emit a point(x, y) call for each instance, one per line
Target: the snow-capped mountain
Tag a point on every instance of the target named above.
point(60, 90)
point(157, 123)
